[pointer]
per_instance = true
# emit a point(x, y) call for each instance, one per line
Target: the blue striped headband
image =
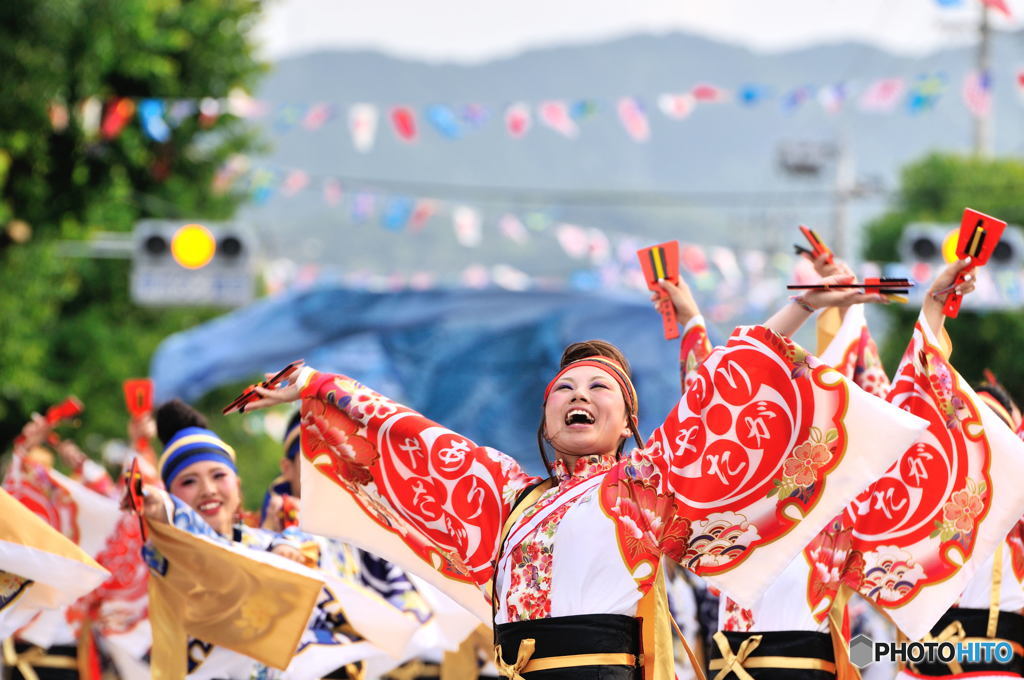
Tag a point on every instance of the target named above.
point(192, 445)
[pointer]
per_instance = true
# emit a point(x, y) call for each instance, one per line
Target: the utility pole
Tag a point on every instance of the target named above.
point(983, 122)
point(845, 188)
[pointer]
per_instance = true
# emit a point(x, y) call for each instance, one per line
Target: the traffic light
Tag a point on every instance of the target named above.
point(936, 243)
point(191, 262)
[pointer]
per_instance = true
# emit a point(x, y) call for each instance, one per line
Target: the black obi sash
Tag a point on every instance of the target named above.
point(974, 623)
point(563, 636)
point(802, 647)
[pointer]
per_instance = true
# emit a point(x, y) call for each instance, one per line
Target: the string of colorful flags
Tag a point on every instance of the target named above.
point(566, 117)
point(731, 285)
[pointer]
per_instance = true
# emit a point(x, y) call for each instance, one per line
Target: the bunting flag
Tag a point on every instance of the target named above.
point(476, 276)
point(832, 97)
point(795, 98)
point(466, 222)
point(90, 112)
point(240, 104)
point(332, 191)
point(582, 109)
point(251, 602)
point(209, 111)
point(40, 568)
point(922, 529)
point(847, 346)
point(286, 119)
point(295, 182)
point(517, 120)
point(474, 116)
point(599, 248)
point(709, 94)
point(317, 116)
point(454, 121)
point(262, 185)
point(575, 241)
point(512, 228)
point(634, 118)
point(57, 111)
point(403, 119)
point(510, 278)
point(118, 114)
point(182, 109)
point(555, 115)
point(977, 93)
point(693, 259)
point(882, 95)
point(151, 117)
point(752, 94)
point(363, 207)
point(396, 213)
point(444, 121)
point(727, 264)
point(676, 106)
point(925, 92)
point(424, 209)
point(362, 126)
point(999, 6)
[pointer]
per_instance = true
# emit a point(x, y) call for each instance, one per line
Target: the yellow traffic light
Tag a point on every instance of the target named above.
point(949, 245)
point(193, 246)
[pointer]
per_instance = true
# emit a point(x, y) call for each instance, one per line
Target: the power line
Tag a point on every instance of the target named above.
point(586, 197)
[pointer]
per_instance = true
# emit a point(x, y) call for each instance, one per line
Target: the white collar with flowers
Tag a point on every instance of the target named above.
point(583, 468)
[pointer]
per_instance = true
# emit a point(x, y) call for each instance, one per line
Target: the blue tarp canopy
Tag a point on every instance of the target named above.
point(476, 361)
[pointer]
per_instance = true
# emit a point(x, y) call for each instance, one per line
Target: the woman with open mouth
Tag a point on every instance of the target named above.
point(574, 560)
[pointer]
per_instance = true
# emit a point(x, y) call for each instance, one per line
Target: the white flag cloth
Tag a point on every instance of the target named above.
point(40, 568)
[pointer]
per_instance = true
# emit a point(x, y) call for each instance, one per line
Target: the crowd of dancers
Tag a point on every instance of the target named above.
point(788, 502)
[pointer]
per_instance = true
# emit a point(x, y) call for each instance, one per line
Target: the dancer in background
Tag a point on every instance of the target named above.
point(991, 606)
point(204, 497)
point(280, 509)
point(826, 567)
point(81, 508)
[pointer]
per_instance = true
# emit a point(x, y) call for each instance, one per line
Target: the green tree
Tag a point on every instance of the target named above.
point(937, 188)
point(67, 325)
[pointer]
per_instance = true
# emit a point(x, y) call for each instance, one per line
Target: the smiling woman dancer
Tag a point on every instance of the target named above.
point(575, 558)
point(204, 496)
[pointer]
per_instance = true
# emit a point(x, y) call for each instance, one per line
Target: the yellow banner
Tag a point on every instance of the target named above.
point(227, 597)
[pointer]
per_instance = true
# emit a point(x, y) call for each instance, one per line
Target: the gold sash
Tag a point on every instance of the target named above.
point(525, 663)
point(34, 657)
point(737, 662)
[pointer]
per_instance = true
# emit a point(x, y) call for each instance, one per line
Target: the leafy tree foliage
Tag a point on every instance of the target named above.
point(937, 188)
point(67, 324)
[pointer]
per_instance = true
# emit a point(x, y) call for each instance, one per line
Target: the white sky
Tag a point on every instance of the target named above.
point(471, 31)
